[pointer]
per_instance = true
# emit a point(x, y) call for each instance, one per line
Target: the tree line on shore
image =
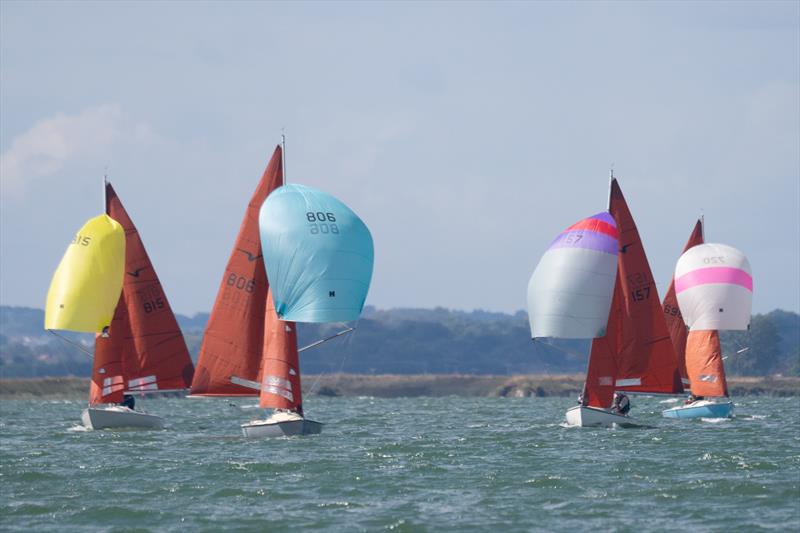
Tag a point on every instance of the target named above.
point(409, 341)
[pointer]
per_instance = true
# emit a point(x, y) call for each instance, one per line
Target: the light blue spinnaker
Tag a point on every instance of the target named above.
point(318, 255)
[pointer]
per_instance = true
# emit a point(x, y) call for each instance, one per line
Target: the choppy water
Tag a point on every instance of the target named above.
point(415, 464)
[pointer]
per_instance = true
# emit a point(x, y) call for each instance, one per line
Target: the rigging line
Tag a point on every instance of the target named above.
point(344, 357)
point(558, 348)
point(75, 344)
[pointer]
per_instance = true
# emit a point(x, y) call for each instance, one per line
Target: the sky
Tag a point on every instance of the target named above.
point(466, 135)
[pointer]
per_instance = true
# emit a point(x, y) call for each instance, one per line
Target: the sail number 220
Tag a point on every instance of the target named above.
point(322, 222)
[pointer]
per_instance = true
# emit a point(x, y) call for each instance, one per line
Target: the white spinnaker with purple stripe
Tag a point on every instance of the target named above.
point(714, 285)
point(569, 293)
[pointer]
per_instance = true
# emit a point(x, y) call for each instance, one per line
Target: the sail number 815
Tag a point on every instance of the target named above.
point(322, 223)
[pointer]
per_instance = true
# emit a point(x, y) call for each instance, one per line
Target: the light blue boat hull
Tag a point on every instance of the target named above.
point(707, 410)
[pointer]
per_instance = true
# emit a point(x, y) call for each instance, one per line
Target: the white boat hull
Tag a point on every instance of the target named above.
point(281, 428)
point(596, 417)
point(112, 417)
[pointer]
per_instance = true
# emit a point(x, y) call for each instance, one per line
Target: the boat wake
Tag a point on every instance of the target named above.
point(715, 420)
point(670, 400)
point(77, 428)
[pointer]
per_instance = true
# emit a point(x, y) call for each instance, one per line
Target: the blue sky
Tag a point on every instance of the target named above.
point(466, 135)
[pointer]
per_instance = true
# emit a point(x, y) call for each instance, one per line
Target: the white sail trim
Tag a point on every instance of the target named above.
point(631, 382)
point(112, 384)
point(142, 384)
point(708, 378)
point(280, 392)
point(236, 380)
point(278, 381)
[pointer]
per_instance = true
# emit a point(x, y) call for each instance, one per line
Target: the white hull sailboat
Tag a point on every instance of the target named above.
point(594, 282)
point(300, 256)
point(107, 285)
point(585, 416)
point(281, 424)
point(118, 417)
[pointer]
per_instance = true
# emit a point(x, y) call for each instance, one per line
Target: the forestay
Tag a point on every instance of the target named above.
point(318, 255)
point(569, 293)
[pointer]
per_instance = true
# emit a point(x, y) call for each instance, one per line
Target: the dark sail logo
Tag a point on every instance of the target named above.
point(136, 272)
point(250, 257)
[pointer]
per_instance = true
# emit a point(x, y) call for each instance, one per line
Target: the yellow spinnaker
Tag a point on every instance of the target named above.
point(88, 281)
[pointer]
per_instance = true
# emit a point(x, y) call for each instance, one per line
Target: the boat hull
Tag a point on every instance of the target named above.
point(702, 409)
point(285, 428)
point(595, 417)
point(114, 417)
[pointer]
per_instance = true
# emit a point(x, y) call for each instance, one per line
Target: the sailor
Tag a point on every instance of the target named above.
point(128, 401)
point(692, 398)
point(621, 404)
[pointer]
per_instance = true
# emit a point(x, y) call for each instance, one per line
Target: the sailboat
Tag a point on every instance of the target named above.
point(106, 284)
point(633, 352)
point(714, 288)
point(319, 258)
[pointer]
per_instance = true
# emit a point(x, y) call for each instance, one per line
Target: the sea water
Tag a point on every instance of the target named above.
point(407, 464)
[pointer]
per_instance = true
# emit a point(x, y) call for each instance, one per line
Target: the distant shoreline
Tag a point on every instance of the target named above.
point(397, 385)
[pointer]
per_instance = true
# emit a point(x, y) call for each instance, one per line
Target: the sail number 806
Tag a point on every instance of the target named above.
point(322, 223)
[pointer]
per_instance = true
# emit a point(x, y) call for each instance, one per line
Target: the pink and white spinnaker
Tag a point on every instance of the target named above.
point(714, 285)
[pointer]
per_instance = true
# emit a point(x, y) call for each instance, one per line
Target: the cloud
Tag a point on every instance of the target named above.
point(52, 143)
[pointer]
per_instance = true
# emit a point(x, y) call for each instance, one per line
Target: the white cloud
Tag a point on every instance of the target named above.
point(52, 143)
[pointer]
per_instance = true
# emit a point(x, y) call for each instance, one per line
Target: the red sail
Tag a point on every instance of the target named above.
point(704, 363)
point(145, 349)
point(234, 337)
point(108, 372)
point(637, 347)
point(280, 382)
point(672, 313)
point(599, 388)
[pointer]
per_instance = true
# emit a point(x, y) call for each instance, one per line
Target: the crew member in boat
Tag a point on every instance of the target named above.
point(692, 398)
point(128, 401)
point(621, 405)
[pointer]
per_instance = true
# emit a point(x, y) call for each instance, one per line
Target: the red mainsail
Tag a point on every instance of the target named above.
point(599, 388)
point(672, 313)
point(280, 382)
point(234, 338)
point(637, 347)
point(704, 363)
point(145, 349)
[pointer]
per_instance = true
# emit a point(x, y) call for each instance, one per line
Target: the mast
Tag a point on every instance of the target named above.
point(283, 155)
point(105, 191)
point(610, 181)
point(702, 225)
